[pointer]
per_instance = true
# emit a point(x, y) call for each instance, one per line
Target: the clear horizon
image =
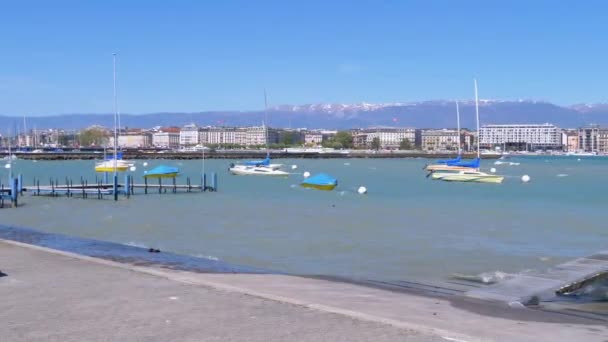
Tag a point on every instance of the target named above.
point(194, 57)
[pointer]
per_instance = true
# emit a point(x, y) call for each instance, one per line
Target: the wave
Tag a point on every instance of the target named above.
point(209, 257)
point(483, 278)
point(136, 244)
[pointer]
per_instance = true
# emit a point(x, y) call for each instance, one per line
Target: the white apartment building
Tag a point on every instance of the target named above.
point(440, 139)
point(189, 135)
point(528, 136)
point(243, 136)
point(390, 138)
point(132, 140)
point(166, 138)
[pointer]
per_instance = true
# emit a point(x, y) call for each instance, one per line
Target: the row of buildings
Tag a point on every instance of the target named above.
point(529, 137)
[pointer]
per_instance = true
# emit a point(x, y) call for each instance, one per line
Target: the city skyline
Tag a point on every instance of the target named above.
point(191, 57)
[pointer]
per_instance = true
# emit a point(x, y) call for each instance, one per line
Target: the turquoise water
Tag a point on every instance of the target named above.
point(406, 227)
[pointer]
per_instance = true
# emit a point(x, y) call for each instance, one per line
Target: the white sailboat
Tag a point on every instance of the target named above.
point(259, 167)
point(454, 165)
point(474, 176)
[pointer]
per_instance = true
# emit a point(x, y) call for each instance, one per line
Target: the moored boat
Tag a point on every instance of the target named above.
point(320, 181)
point(162, 171)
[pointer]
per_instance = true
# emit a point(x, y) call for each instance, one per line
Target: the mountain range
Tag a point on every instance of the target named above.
point(426, 114)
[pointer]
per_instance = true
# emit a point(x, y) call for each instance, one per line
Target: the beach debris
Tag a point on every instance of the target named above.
point(153, 250)
point(362, 190)
point(2, 274)
point(525, 178)
point(306, 174)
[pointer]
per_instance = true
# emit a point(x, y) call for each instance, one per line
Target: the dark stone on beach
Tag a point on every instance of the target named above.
point(2, 274)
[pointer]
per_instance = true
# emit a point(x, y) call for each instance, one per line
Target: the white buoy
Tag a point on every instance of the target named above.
point(362, 190)
point(132, 168)
point(493, 170)
point(293, 167)
point(525, 178)
point(306, 174)
point(145, 164)
point(7, 166)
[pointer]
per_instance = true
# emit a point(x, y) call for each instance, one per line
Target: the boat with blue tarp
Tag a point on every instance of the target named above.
point(162, 171)
point(320, 181)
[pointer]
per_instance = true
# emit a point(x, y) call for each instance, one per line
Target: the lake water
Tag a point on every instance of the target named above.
point(406, 227)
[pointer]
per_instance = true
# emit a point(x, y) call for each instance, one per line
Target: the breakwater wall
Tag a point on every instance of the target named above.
point(237, 155)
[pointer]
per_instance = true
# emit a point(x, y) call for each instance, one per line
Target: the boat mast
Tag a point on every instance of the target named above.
point(266, 122)
point(458, 125)
point(477, 117)
point(115, 118)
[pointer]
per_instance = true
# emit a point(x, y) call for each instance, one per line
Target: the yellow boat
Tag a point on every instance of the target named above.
point(108, 166)
point(444, 167)
point(162, 172)
point(320, 181)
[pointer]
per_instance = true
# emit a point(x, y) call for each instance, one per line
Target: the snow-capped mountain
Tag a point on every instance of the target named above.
point(425, 114)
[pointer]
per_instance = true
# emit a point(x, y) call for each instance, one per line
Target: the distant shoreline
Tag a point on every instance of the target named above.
point(242, 155)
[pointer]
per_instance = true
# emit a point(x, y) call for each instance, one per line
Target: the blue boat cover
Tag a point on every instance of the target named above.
point(473, 163)
point(162, 170)
point(448, 161)
point(264, 162)
point(320, 179)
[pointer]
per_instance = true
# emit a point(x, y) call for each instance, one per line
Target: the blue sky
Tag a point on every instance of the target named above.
point(185, 56)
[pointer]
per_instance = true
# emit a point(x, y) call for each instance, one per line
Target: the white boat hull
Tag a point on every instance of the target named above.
point(242, 170)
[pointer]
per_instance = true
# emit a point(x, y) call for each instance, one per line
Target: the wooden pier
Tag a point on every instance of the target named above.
point(100, 188)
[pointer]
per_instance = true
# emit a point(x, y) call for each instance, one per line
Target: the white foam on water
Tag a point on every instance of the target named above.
point(544, 258)
point(562, 175)
point(136, 244)
point(208, 257)
point(498, 162)
point(346, 164)
point(515, 164)
point(483, 278)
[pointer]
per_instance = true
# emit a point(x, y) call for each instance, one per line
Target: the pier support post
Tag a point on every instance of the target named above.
point(127, 185)
point(204, 182)
point(160, 185)
point(214, 181)
point(145, 185)
point(115, 187)
point(174, 186)
point(20, 184)
point(1, 195)
point(14, 192)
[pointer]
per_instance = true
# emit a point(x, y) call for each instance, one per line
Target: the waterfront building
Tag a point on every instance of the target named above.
point(166, 137)
point(189, 135)
point(439, 139)
point(314, 138)
point(570, 140)
point(593, 138)
point(237, 136)
point(521, 136)
point(132, 139)
point(389, 137)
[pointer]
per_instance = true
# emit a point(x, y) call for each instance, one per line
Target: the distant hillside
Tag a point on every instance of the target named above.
point(429, 114)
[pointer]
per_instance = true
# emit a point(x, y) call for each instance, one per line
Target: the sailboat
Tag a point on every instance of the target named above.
point(473, 175)
point(259, 167)
point(113, 164)
point(456, 164)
